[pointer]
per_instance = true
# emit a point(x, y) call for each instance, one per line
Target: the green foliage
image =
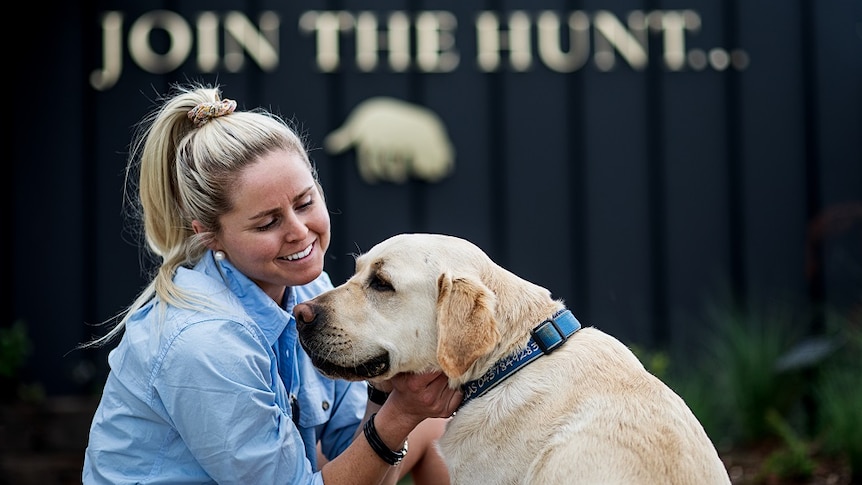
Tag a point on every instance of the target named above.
point(793, 460)
point(14, 348)
point(838, 393)
point(840, 398)
point(759, 379)
point(657, 362)
point(740, 363)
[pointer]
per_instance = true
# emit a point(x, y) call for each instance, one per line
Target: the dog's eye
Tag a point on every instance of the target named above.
point(377, 283)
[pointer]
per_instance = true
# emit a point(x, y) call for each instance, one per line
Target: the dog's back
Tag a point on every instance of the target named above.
point(589, 413)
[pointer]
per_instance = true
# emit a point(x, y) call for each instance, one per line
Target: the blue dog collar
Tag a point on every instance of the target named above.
point(544, 339)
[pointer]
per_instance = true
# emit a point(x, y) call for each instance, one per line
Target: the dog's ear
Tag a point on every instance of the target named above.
point(466, 326)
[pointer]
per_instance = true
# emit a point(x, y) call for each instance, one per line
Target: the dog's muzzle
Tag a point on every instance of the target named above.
point(331, 352)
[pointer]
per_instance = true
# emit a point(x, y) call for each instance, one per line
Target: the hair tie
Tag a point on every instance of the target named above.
point(204, 112)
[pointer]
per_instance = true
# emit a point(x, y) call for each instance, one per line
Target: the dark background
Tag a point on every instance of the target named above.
point(644, 198)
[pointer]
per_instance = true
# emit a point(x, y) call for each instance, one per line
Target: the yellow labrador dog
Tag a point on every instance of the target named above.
point(546, 401)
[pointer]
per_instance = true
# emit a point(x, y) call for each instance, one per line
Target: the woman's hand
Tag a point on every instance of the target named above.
point(384, 386)
point(413, 398)
point(423, 395)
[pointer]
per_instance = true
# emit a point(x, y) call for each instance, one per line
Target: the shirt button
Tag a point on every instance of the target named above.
point(325, 405)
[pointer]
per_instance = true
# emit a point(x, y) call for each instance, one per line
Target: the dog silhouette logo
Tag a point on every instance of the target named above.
point(394, 140)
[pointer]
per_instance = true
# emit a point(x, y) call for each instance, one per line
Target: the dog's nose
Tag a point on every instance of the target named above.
point(304, 314)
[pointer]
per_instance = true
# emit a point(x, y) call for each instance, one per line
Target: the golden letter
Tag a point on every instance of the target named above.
point(112, 52)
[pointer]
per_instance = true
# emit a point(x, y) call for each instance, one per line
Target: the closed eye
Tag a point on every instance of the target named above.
point(377, 283)
point(269, 225)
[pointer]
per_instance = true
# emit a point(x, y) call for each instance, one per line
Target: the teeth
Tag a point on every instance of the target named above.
point(300, 254)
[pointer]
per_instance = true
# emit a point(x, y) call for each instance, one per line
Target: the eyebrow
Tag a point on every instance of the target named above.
point(275, 210)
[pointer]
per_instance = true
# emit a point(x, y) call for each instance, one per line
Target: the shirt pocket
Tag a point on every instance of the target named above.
point(315, 404)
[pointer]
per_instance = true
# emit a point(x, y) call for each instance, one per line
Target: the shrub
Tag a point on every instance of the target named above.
point(741, 366)
point(793, 461)
point(838, 394)
point(14, 348)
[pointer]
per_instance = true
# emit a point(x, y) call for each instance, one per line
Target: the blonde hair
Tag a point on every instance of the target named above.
point(187, 166)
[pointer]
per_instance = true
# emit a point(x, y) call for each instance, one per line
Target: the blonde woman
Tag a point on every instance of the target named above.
point(208, 383)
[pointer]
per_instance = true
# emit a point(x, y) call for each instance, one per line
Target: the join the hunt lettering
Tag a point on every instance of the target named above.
point(518, 41)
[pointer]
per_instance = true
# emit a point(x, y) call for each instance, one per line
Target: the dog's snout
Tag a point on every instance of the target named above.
point(305, 314)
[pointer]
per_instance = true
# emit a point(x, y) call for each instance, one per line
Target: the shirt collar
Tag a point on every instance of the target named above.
point(269, 316)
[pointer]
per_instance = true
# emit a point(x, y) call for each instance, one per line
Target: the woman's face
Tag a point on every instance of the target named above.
point(278, 232)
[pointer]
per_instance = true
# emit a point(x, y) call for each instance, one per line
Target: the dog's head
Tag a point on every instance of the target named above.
point(416, 303)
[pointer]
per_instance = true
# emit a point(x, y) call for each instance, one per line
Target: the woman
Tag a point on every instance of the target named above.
point(208, 383)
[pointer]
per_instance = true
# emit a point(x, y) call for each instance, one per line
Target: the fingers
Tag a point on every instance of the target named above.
point(385, 386)
point(429, 392)
point(416, 383)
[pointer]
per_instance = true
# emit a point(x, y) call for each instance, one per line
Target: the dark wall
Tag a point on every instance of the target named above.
point(641, 195)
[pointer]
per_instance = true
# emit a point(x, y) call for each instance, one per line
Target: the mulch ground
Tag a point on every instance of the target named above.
point(745, 467)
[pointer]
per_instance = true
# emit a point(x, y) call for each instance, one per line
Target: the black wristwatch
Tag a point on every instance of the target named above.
point(376, 395)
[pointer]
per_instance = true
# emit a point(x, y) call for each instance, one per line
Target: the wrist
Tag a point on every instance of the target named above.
point(388, 455)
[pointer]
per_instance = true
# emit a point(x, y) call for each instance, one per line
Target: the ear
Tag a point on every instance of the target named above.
point(466, 326)
point(199, 228)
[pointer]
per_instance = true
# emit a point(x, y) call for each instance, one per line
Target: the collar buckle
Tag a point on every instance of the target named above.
point(548, 335)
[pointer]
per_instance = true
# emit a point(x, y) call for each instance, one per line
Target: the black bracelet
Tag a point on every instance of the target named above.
point(391, 457)
point(376, 395)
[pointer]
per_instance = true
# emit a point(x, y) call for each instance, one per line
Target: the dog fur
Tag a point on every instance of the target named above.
point(587, 413)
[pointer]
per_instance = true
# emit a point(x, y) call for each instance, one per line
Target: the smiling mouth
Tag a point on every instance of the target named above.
point(295, 256)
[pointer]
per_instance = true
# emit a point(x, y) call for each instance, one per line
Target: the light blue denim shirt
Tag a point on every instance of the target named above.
point(206, 396)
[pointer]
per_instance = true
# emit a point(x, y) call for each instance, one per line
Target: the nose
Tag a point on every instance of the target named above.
point(295, 229)
point(305, 314)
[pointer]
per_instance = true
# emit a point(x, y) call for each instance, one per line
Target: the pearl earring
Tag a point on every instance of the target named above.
point(219, 255)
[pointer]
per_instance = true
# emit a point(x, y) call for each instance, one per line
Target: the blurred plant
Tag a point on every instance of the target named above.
point(791, 462)
point(838, 393)
point(839, 397)
point(761, 380)
point(742, 360)
point(655, 361)
point(15, 346)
